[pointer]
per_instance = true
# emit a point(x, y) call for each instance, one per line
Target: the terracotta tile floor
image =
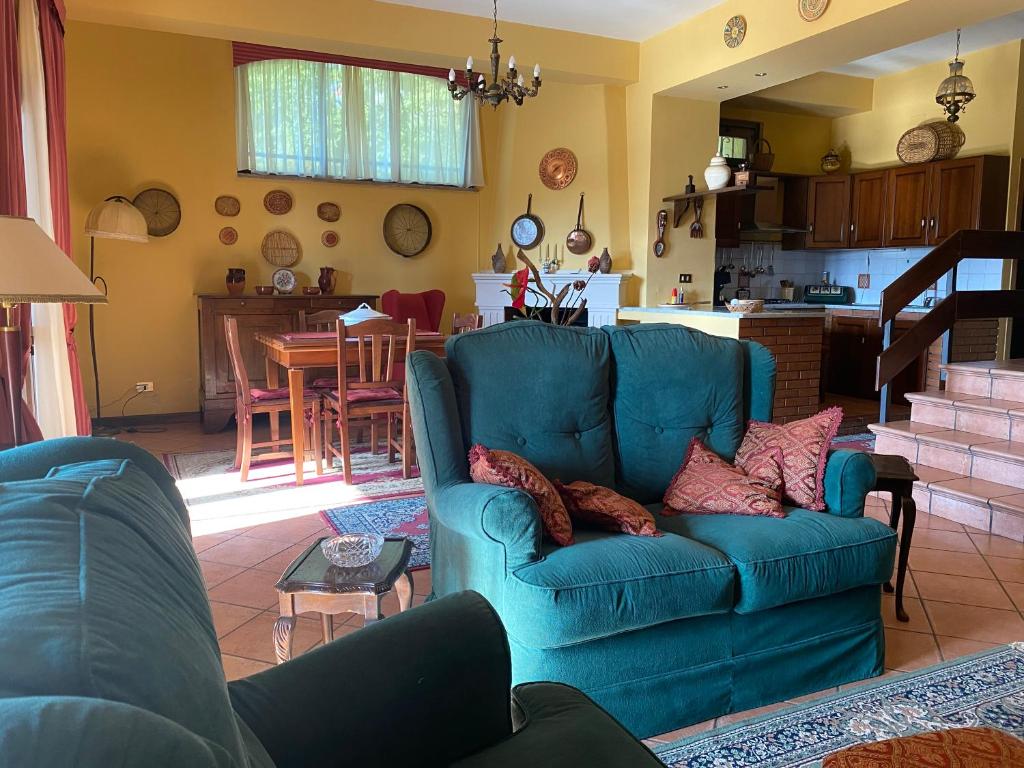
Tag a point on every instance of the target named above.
point(964, 592)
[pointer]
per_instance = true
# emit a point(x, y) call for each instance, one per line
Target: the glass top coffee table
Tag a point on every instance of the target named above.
point(312, 583)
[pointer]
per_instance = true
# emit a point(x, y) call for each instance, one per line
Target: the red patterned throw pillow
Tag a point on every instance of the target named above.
point(512, 471)
point(604, 508)
point(804, 445)
point(706, 484)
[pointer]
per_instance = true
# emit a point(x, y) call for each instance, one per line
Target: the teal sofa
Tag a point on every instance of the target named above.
point(721, 614)
point(108, 655)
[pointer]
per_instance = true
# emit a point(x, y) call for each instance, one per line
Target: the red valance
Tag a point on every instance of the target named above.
point(246, 53)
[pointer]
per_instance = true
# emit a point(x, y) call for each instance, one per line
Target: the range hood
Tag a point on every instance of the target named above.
point(761, 214)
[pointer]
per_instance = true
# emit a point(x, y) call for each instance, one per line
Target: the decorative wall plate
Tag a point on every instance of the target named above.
point(407, 230)
point(284, 280)
point(328, 211)
point(228, 236)
point(227, 205)
point(281, 248)
point(735, 31)
point(278, 202)
point(812, 10)
point(330, 238)
point(160, 209)
point(558, 168)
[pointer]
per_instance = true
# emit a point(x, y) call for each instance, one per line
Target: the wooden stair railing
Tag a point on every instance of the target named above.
point(958, 305)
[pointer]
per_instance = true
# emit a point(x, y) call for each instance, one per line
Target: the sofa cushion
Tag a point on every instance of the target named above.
point(101, 597)
point(539, 391)
point(607, 583)
point(605, 509)
point(699, 382)
point(804, 555)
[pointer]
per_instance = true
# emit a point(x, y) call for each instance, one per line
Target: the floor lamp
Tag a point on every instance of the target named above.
point(33, 270)
point(113, 219)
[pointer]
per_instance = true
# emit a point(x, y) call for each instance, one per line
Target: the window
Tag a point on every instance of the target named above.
point(331, 120)
point(736, 140)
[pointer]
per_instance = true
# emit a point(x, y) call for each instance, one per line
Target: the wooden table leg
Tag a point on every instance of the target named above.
point(327, 622)
point(371, 608)
point(404, 591)
point(284, 629)
point(296, 385)
point(894, 521)
point(909, 518)
point(273, 382)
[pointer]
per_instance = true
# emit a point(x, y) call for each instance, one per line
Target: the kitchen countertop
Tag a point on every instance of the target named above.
point(794, 309)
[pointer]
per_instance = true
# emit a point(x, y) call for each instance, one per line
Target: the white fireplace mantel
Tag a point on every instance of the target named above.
point(604, 295)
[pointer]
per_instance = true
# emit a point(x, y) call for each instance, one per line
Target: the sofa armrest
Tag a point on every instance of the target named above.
point(558, 726)
point(436, 426)
point(849, 477)
point(427, 686)
point(492, 513)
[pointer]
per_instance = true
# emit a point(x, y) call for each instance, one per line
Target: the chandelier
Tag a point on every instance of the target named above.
point(512, 86)
point(957, 90)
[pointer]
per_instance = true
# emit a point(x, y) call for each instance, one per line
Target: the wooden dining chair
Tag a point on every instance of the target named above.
point(375, 394)
point(322, 321)
point(466, 321)
point(249, 402)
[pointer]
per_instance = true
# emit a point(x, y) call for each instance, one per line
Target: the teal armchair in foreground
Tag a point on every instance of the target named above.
point(109, 655)
point(722, 613)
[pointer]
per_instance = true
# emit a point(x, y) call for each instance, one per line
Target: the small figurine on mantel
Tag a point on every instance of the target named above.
point(498, 261)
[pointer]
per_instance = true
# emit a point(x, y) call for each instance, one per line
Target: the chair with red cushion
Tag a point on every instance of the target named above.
point(376, 396)
point(425, 308)
point(249, 402)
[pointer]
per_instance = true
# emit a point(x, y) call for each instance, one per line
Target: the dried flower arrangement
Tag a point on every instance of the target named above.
point(566, 306)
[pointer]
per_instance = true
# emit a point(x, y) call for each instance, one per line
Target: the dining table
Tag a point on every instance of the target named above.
point(299, 352)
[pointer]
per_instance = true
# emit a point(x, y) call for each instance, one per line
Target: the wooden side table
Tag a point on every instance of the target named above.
point(895, 476)
point(313, 583)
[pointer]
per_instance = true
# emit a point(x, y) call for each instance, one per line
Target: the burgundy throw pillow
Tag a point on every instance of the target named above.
point(706, 484)
point(606, 509)
point(804, 445)
point(513, 471)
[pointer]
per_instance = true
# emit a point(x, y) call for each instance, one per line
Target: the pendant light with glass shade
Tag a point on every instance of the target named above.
point(957, 90)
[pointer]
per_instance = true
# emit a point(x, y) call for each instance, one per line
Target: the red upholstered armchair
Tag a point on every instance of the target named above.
point(425, 308)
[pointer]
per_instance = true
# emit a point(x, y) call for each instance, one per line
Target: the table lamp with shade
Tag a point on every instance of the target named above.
point(33, 270)
point(113, 219)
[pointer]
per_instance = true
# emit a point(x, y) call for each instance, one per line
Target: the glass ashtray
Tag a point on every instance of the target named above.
point(353, 550)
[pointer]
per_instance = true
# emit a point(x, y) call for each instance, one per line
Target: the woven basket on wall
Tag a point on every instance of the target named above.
point(936, 140)
point(281, 248)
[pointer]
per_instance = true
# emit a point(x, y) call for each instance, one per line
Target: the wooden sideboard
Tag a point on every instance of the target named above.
point(256, 314)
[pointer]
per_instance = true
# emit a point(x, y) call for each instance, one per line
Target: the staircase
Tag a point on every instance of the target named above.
point(966, 443)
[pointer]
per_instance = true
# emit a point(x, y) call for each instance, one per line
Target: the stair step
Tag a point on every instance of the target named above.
point(968, 413)
point(1002, 379)
point(1001, 462)
point(987, 506)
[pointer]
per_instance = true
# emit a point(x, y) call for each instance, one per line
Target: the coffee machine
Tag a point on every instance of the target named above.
point(722, 278)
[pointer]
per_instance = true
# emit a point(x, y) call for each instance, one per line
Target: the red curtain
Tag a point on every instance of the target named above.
point(13, 201)
point(51, 31)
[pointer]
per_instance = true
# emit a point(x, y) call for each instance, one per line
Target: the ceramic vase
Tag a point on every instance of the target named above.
point(235, 281)
point(718, 173)
point(604, 262)
point(498, 261)
point(328, 280)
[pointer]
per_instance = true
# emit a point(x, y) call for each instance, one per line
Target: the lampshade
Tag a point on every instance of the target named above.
point(33, 270)
point(956, 91)
point(117, 219)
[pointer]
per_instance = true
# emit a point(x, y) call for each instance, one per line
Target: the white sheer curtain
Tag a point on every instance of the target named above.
point(49, 377)
point(307, 118)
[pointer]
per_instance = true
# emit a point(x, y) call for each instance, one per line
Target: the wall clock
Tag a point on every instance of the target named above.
point(558, 168)
point(160, 209)
point(407, 230)
point(812, 10)
point(735, 31)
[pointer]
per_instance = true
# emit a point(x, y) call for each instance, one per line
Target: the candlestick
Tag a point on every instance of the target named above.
point(469, 64)
point(536, 70)
point(451, 75)
point(512, 62)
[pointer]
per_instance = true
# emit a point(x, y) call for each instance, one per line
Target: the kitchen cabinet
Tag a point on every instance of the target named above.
point(854, 342)
point(727, 220)
point(828, 211)
point(255, 314)
point(907, 205)
point(867, 209)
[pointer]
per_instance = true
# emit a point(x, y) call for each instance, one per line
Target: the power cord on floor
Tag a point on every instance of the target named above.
point(139, 430)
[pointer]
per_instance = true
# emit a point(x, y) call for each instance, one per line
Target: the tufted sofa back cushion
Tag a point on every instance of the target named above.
point(669, 384)
point(539, 391)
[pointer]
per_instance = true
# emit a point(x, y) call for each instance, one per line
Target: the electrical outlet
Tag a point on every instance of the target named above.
point(144, 386)
point(863, 280)
point(685, 277)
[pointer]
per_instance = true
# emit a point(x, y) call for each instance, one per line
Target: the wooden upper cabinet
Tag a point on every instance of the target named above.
point(828, 209)
point(906, 220)
point(967, 193)
point(867, 209)
point(727, 221)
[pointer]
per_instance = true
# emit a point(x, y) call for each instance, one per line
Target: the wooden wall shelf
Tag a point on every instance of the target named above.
point(681, 203)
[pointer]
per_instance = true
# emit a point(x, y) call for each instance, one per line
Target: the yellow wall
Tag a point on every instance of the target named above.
point(905, 99)
point(799, 141)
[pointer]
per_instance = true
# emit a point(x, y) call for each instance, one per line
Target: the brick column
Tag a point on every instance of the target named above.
point(796, 345)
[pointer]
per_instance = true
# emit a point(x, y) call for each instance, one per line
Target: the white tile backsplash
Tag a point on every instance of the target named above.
point(884, 266)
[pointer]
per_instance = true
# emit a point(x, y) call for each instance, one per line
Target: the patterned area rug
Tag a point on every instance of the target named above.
point(861, 442)
point(403, 517)
point(986, 689)
point(218, 500)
